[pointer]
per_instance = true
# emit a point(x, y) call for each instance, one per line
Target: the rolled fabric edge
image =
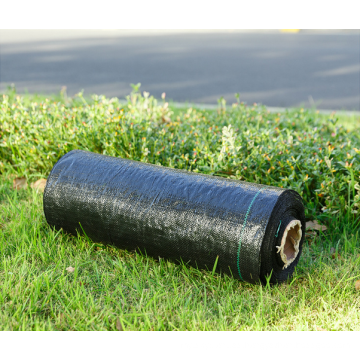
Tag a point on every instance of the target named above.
point(289, 247)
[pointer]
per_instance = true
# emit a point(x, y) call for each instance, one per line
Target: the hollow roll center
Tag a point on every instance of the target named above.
point(289, 247)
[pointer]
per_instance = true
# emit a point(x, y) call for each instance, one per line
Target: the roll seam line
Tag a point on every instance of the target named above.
point(277, 232)
point(242, 231)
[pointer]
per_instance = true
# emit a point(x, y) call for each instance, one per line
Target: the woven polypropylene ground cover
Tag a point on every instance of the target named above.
point(176, 214)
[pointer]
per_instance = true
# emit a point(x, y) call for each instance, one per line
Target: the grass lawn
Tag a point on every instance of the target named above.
point(54, 281)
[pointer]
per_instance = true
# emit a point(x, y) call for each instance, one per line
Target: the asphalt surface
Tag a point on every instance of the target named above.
point(308, 69)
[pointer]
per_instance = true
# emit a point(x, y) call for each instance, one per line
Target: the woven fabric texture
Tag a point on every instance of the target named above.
point(174, 214)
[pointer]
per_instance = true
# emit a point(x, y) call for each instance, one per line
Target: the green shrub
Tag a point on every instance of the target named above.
point(298, 149)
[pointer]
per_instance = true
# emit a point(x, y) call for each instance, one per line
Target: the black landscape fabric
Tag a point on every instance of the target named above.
point(174, 214)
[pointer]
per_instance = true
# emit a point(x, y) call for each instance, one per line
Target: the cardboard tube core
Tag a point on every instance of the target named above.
point(289, 247)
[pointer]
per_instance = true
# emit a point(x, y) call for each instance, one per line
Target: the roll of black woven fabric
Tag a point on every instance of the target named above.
point(254, 230)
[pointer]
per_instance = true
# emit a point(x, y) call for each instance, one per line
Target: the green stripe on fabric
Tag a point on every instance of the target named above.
point(277, 232)
point(242, 231)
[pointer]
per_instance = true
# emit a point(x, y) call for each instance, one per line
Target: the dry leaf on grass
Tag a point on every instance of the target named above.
point(314, 225)
point(20, 183)
point(118, 325)
point(333, 254)
point(70, 269)
point(357, 285)
point(318, 328)
point(39, 184)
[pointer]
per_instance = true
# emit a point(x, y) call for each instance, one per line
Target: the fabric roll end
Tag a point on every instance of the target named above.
point(289, 247)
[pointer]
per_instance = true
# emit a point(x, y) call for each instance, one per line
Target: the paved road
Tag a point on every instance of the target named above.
point(276, 69)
